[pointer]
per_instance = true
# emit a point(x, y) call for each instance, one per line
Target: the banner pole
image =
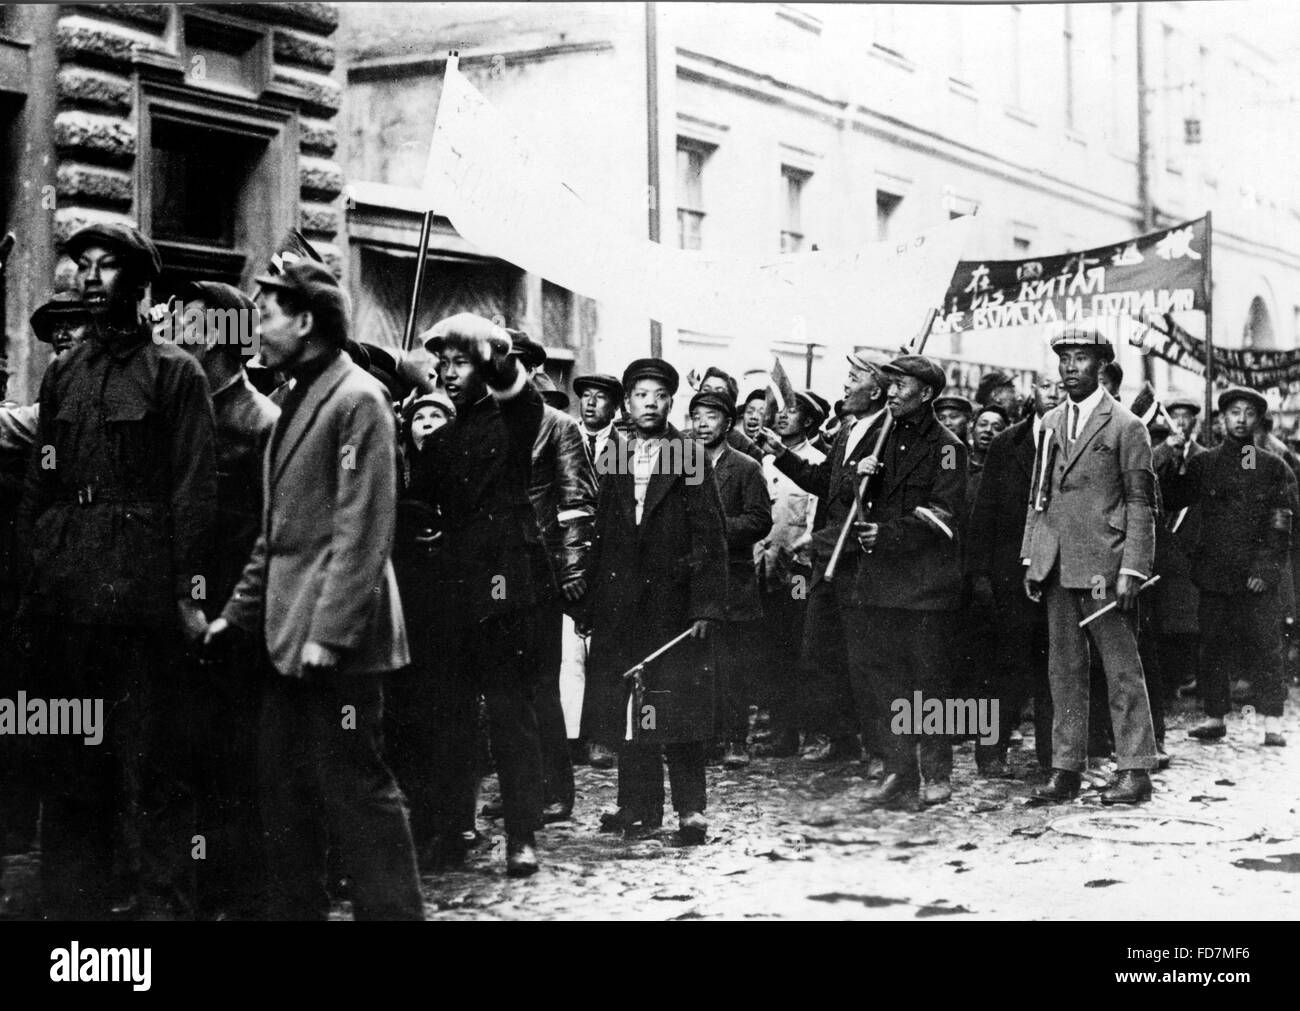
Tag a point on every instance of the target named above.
point(421, 257)
point(1207, 429)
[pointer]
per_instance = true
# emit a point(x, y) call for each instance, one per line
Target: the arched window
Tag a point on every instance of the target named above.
point(1258, 331)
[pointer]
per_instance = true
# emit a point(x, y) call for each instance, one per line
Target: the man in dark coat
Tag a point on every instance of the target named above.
point(228, 687)
point(1238, 562)
point(118, 515)
point(320, 593)
point(492, 578)
point(658, 569)
point(996, 575)
point(747, 517)
point(908, 583)
point(837, 706)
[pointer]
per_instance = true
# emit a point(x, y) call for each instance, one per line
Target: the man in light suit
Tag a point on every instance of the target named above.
point(320, 587)
point(1090, 540)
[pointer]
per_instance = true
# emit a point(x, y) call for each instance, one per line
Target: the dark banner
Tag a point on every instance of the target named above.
point(1155, 274)
point(1246, 367)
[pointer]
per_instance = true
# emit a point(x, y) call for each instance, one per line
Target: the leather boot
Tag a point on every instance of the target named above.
point(521, 856)
point(1131, 786)
point(893, 791)
point(1062, 785)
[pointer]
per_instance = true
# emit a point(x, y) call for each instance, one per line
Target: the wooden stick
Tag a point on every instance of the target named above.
point(1115, 603)
point(421, 256)
point(631, 672)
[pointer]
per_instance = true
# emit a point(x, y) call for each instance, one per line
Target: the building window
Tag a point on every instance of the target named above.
point(792, 184)
point(886, 205)
point(197, 174)
point(1071, 122)
point(220, 51)
point(691, 157)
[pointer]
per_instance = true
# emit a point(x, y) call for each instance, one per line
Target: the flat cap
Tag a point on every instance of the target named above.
point(756, 394)
point(997, 409)
point(128, 241)
point(65, 305)
point(1083, 335)
point(546, 387)
point(1243, 393)
point(438, 398)
point(1185, 403)
point(919, 367)
point(599, 381)
point(651, 368)
point(869, 361)
point(717, 401)
point(314, 286)
point(956, 403)
point(216, 295)
point(815, 404)
point(463, 329)
point(529, 352)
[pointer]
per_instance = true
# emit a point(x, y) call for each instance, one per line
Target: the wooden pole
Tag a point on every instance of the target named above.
point(1207, 429)
point(421, 257)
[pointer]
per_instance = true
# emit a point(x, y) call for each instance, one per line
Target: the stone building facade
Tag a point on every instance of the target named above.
point(211, 126)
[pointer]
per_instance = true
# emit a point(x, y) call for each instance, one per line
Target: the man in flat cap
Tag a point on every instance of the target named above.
point(996, 575)
point(1089, 541)
point(658, 569)
point(494, 577)
point(320, 592)
point(955, 413)
point(118, 516)
point(1238, 562)
point(599, 396)
point(836, 705)
point(784, 559)
point(909, 581)
point(1176, 598)
point(218, 325)
point(747, 517)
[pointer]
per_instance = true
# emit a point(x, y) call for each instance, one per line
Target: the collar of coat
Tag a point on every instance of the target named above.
point(301, 421)
point(674, 450)
point(1056, 422)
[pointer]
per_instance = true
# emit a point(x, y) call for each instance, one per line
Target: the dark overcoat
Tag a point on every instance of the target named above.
point(649, 582)
point(747, 517)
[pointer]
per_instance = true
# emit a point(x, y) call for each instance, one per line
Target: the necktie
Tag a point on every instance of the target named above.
point(591, 446)
point(1074, 423)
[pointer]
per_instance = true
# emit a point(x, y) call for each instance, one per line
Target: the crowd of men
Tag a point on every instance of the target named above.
point(323, 597)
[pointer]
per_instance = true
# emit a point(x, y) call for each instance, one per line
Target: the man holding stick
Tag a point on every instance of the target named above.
point(908, 583)
point(1089, 540)
point(830, 654)
point(658, 568)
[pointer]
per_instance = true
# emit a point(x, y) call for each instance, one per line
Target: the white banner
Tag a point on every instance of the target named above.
point(486, 178)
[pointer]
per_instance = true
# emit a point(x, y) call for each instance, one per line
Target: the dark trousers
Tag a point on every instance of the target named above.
point(741, 677)
point(117, 817)
point(782, 642)
point(496, 659)
point(227, 708)
point(1101, 736)
point(557, 760)
point(1114, 637)
point(1180, 659)
point(1241, 633)
point(910, 651)
point(323, 779)
point(20, 801)
point(411, 697)
point(831, 705)
point(1019, 675)
point(641, 777)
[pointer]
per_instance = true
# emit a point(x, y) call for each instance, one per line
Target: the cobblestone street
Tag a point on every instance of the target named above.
point(789, 840)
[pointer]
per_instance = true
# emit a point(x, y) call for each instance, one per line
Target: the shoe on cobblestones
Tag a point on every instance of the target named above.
point(736, 757)
point(841, 749)
point(602, 757)
point(1062, 785)
point(1163, 759)
point(893, 792)
point(1209, 730)
point(624, 820)
point(1132, 786)
point(939, 792)
point(521, 857)
point(692, 829)
point(1273, 739)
